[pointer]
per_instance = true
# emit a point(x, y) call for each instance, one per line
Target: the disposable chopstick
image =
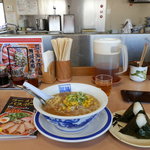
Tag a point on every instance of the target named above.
point(62, 48)
point(60, 42)
point(143, 55)
point(55, 47)
point(58, 50)
point(65, 48)
point(69, 48)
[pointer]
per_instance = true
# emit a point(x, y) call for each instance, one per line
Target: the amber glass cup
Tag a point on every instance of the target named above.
point(104, 82)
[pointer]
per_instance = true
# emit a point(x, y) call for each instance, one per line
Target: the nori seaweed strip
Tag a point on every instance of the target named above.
point(115, 119)
point(132, 129)
point(144, 132)
point(129, 114)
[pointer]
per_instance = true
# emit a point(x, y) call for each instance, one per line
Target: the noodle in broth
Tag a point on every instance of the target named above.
point(71, 104)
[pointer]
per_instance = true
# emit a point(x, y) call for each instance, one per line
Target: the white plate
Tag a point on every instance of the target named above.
point(98, 126)
point(114, 130)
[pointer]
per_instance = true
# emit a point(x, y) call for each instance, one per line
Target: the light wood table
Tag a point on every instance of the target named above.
point(105, 142)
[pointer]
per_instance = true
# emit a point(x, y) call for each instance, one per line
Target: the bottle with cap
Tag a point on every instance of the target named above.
point(32, 78)
point(18, 75)
point(4, 77)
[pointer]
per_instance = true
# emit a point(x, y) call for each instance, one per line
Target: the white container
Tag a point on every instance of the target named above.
point(138, 74)
point(107, 56)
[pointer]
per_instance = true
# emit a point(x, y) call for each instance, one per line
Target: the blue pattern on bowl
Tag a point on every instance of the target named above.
point(71, 124)
point(64, 88)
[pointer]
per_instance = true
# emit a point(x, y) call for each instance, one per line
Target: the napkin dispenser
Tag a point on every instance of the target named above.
point(54, 22)
point(68, 23)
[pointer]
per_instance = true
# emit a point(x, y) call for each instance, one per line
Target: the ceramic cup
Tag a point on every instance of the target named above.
point(138, 74)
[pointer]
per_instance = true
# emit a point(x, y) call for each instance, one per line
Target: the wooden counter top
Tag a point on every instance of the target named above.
point(105, 142)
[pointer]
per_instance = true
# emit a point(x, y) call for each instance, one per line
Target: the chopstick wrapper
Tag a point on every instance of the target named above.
point(48, 68)
point(62, 49)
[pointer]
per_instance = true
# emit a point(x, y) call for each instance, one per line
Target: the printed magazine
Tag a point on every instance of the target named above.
point(17, 119)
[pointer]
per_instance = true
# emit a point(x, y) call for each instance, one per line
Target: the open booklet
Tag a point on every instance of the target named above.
point(17, 119)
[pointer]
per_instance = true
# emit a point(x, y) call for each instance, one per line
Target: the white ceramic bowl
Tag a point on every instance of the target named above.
point(72, 123)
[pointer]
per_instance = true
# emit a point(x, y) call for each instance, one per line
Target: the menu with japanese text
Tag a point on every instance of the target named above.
point(17, 119)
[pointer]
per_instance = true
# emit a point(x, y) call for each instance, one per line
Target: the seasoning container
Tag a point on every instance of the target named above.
point(32, 78)
point(17, 75)
point(138, 73)
point(4, 79)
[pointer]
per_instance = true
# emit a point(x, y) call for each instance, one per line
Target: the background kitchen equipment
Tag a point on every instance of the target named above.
point(41, 24)
point(54, 22)
point(88, 14)
point(69, 22)
point(107, 57)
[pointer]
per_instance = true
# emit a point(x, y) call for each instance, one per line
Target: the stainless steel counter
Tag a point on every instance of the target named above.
point(82, 48)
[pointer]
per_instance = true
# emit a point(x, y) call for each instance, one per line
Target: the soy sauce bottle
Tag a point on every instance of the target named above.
point(17, 74)
point(4, 77)
point(32, 78)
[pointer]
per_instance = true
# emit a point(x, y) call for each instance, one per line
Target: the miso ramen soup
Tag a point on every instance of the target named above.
point(71, 104)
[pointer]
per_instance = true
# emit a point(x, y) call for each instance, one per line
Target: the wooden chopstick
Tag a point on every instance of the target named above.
point(55, 47)
point(62, 48)
point(143, 55)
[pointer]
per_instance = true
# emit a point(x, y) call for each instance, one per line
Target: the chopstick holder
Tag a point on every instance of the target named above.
point(62, 49)
point(63, 71)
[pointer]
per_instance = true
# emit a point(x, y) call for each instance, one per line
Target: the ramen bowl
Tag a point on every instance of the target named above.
point(72, 123)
